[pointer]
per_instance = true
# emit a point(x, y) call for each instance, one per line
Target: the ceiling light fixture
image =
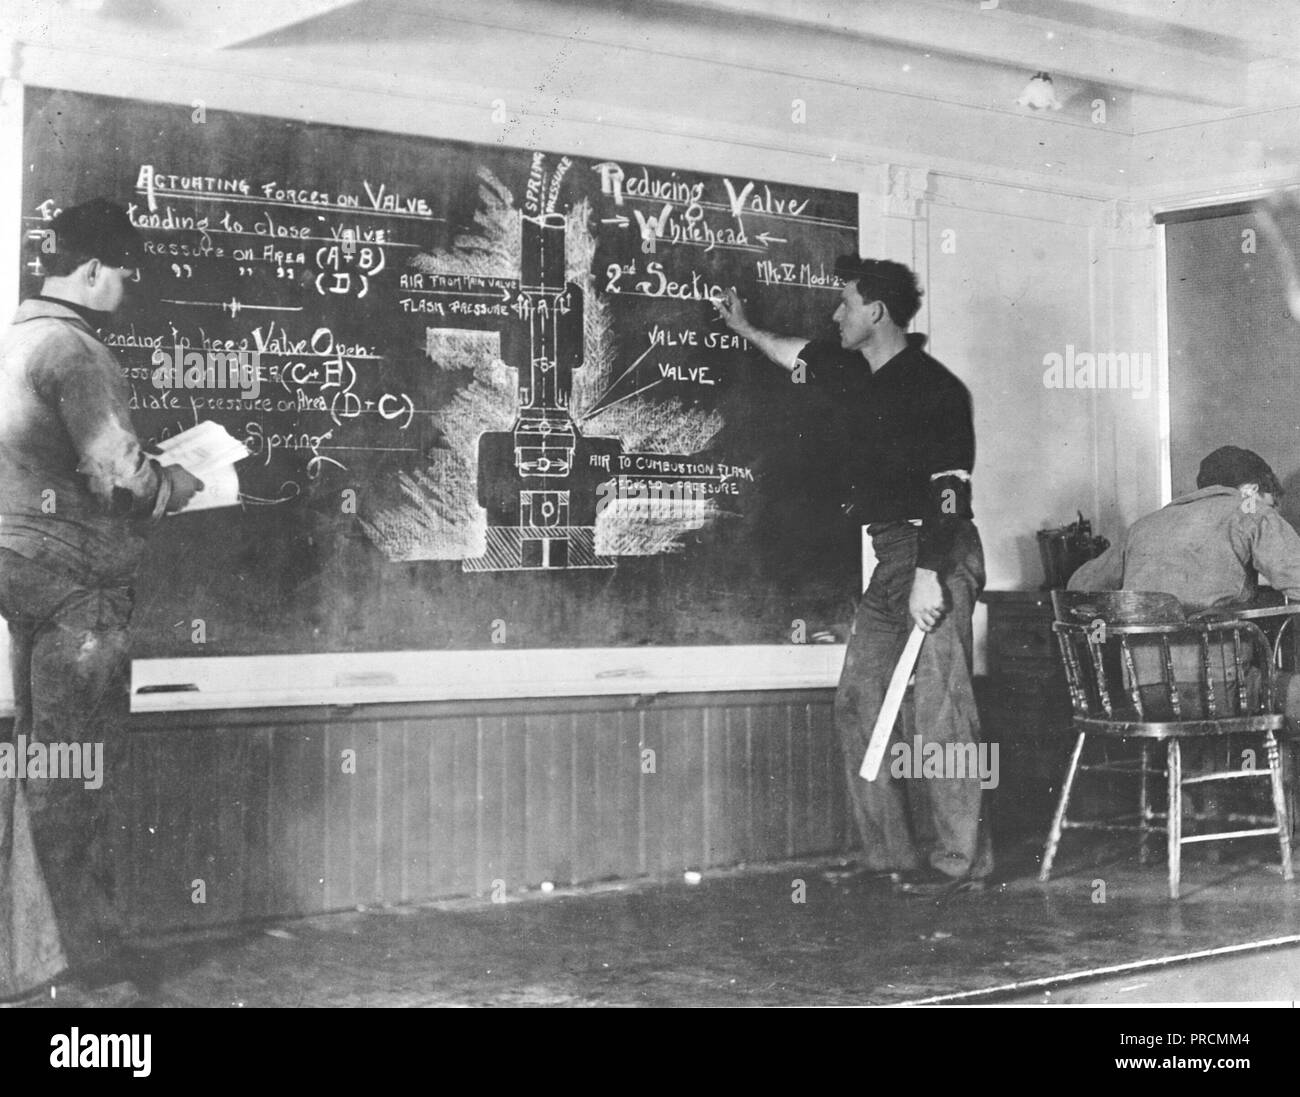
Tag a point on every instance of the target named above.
point(1039, 94)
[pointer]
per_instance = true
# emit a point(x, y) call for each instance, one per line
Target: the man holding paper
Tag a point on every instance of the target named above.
point(907, 442)
point(77, 497)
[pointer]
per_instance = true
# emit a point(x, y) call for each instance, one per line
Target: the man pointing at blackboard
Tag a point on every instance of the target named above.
point(907, 442)
point(77, 496)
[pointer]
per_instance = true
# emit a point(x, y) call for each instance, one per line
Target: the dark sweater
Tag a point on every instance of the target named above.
point(905, 429)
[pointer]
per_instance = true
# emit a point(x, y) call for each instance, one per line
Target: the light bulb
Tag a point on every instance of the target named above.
point(1039, 94)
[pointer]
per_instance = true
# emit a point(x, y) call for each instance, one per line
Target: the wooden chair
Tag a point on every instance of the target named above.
point(1102, 638)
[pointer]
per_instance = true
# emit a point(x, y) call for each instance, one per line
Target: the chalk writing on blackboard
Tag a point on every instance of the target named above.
point(489, 382)
point(545, 458)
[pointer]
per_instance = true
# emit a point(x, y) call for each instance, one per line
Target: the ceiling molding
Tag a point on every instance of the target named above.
point(1271, 28)
point(240, 22)
point(1005, 37)
point(918, 82)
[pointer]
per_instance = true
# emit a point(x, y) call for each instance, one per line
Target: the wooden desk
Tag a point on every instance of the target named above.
point(1026, 708)
point(1023, 655)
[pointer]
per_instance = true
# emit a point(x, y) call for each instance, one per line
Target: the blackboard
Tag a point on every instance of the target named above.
point(487, 397)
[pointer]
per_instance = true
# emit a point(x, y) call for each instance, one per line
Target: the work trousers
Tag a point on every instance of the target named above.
point(908, 823)
point(68, 655)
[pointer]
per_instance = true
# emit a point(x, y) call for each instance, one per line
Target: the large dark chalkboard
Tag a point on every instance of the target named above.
point(487, 396)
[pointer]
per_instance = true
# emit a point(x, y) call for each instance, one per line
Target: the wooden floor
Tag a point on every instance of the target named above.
point(740, 938)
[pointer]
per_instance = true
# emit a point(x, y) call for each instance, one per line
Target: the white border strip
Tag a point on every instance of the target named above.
point(1162, 369)
point(1099, 972)
point(11, 255)
point(272, 681)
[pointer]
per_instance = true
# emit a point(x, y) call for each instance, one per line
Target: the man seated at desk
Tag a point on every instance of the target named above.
point(1208, 549)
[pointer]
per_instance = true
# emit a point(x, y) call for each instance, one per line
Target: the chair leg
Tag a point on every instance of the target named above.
point(1279, 804)
point(1289, 752)
point(1144, 807)
point(1058, 819)
point(1175, 820)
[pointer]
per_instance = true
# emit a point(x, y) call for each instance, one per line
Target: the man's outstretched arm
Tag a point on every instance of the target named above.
point(780, 349)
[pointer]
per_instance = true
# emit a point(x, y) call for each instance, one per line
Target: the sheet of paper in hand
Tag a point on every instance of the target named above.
point(210, 452)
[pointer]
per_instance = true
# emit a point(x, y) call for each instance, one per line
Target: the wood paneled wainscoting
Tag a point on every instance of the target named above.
point(301, 810)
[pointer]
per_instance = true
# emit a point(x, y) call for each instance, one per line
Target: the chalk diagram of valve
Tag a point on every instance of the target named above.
point(554, 457)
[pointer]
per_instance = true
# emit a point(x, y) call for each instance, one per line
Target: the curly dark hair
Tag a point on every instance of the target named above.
point(892, 284)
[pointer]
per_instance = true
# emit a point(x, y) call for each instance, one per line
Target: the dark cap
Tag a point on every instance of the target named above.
point(98, 229)
point(1231, 466)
